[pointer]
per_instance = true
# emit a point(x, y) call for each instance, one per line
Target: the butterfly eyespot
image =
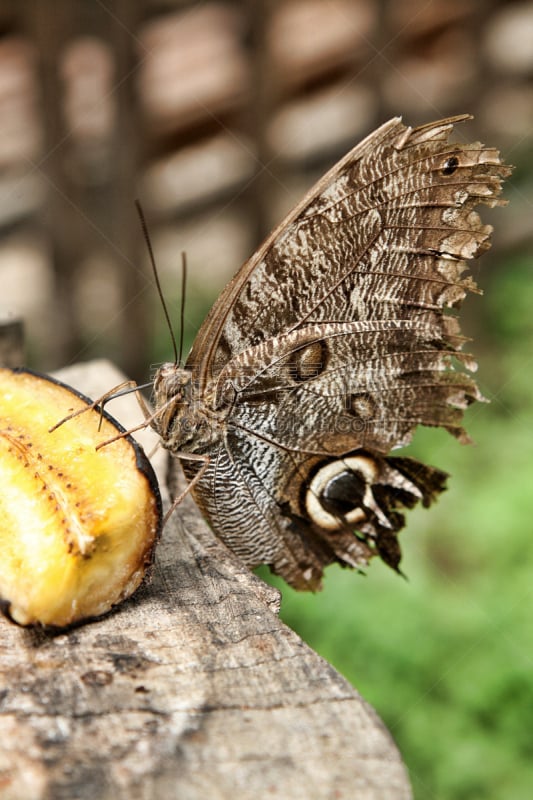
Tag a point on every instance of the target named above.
point(450, 165)
point(362, 405)
point(343, 493)
point(338, 493)
point(308, 362)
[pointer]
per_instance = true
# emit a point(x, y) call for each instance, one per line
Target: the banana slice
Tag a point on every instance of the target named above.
point(78, 526)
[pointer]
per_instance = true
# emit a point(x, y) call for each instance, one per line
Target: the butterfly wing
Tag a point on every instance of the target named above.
point(332, 343)
point(383, 235)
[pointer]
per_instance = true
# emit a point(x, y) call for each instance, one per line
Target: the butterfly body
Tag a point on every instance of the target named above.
point(185, 424)
point(327, 349)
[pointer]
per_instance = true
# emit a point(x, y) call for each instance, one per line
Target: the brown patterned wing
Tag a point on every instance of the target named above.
point(384, 235)
point(332, 344)
point(302, 477)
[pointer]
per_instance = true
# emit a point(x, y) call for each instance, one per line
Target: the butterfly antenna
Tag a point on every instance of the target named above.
point(156, 277)
point(182, 309)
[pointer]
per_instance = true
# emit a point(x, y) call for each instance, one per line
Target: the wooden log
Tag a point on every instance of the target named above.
point(193, 689)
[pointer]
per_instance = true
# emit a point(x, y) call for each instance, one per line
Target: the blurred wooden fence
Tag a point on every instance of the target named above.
point(217, 115)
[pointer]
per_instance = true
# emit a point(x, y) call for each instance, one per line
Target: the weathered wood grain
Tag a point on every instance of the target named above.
point(192, 690)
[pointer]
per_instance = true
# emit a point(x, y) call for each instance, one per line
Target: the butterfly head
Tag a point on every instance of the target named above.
point(173, 402)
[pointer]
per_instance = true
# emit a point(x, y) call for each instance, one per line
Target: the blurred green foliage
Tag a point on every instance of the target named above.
point(446, 657)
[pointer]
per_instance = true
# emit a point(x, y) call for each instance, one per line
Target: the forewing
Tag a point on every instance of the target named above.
point(384, 235)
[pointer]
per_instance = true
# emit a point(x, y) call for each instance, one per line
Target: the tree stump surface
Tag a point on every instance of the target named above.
point(193, 689)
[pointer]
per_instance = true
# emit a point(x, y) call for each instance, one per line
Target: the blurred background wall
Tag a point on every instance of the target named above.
point(218, 116)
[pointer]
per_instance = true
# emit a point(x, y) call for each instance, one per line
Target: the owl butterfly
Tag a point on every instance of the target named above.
point(327, 349)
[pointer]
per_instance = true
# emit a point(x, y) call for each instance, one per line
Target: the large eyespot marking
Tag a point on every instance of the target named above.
point(308, 362)
point(340, 493)
point(343, 492)
point(360, 490)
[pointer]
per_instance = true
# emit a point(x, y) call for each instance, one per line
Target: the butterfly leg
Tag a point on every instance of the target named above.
point(101, 401)
point(205, 460)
